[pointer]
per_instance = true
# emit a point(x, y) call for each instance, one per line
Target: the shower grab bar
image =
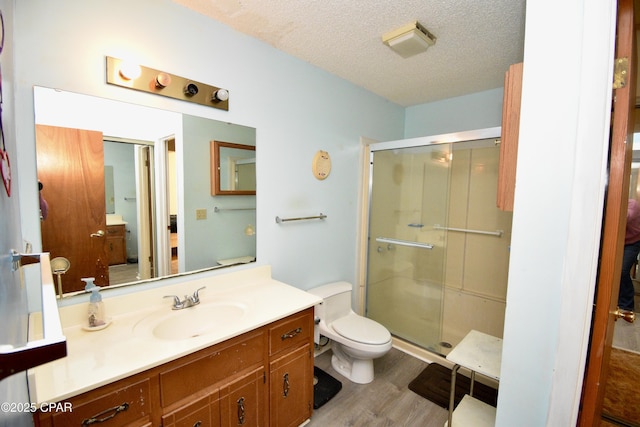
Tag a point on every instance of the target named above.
point(404, 243)
point(217, 209)
point(497, 233)
point(281, 220)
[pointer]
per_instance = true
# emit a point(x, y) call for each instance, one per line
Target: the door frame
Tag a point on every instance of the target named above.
point(614, 224)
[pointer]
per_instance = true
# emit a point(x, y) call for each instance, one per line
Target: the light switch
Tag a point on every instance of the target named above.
point(201, 214)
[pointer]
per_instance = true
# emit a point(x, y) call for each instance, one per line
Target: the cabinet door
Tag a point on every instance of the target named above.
point(291, 387)
point(510, 135)
point(204, 412)
point(116, 246)
point(243, 402)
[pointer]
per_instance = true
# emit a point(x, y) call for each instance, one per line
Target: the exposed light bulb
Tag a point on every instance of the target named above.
point(163, 80)
point(220, 95)
point(129, 70)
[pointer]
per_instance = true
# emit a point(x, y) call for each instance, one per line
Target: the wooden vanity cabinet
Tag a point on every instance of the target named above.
point(260, 378)
point(116, 244)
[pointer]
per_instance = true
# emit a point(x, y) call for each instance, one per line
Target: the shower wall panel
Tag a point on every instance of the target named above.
point(477, 264)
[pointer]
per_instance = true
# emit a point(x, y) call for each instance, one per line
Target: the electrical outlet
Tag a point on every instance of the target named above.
point(201, 214)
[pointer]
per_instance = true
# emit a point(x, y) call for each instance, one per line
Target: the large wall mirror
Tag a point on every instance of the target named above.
point(125, 191)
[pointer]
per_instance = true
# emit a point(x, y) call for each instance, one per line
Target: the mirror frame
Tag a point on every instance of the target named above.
point(215, 169)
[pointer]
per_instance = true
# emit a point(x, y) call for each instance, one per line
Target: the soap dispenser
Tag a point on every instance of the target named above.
point(96, 306)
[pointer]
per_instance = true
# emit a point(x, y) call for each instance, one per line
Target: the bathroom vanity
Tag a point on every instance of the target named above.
point(252, 364)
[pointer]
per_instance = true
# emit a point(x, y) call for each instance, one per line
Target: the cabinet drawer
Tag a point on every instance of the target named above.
point(116, 230)
point(129, 405)
point(204, 370)
point(291, 331)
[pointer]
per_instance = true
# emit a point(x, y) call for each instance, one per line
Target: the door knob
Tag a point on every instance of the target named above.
point(628, 316)
point(99, 233)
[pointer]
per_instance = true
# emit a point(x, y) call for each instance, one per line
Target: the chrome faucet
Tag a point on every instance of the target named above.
point(189, 301)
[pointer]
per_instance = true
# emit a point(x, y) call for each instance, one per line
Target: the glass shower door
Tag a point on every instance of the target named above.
point(407, 246)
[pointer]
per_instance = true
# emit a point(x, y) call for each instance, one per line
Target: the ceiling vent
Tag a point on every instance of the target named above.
point(409, 40)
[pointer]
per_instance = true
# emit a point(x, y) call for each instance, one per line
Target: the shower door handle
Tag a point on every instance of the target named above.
point(404, 243)
point(98, 233)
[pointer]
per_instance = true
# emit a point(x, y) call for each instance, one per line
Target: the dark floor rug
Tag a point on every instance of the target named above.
point(324, 387)
point(434, 384)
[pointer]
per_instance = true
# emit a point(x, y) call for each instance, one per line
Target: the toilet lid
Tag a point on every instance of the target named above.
point(361, 329)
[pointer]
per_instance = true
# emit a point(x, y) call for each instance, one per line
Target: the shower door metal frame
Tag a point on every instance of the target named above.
point(472, 135)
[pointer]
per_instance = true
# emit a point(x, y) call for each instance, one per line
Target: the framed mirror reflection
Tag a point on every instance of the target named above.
point(233, 169)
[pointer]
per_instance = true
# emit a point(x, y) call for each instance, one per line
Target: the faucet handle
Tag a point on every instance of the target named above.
point(196, 297)
point(176, 301)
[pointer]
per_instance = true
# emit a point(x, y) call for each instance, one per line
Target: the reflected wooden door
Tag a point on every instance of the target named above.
point(71, 170)
point(615, 220)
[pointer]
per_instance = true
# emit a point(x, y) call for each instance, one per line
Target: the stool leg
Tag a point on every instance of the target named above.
point(452, 393)
point(473, 380)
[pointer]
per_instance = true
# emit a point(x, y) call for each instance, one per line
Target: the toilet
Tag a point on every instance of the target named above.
point(356, 340)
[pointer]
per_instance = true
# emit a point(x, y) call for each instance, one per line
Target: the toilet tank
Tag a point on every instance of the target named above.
point(337, 300)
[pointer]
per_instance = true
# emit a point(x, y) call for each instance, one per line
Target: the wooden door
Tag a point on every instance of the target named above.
point(71, 170)
point(615, 219)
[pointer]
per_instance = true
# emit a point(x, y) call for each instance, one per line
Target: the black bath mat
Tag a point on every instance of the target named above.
point(324, 387)
point(434, 384)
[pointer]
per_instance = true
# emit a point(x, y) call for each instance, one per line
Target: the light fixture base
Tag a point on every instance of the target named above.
point(165, 84)
point(409, 40)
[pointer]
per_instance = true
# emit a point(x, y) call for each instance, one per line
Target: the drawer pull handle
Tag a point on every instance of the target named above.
point(241, 411)
point(197, 424)
point(291, 334)
point(114, 411)
point(285, 385)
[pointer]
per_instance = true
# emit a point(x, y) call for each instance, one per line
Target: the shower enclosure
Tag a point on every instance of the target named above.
point(438, 245)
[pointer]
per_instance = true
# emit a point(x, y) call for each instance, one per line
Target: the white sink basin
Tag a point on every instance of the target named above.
point(191, 322)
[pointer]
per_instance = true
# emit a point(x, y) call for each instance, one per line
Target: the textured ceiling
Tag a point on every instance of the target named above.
point(477, 40)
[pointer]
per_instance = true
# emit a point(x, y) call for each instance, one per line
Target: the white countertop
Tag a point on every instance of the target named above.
point(100, 357)
point(113, 219)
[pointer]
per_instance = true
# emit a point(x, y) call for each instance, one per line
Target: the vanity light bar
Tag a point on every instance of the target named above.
point(133, 76)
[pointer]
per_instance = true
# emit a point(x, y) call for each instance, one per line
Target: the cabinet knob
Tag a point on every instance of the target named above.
point(285, 385)
point(291, 334)
point(241, 412)
point(96, 418)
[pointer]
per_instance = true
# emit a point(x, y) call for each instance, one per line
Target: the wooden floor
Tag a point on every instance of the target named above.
point(387, 401)
point(123, 273)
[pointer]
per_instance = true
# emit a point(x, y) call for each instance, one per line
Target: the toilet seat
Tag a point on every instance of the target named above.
point(360, 329)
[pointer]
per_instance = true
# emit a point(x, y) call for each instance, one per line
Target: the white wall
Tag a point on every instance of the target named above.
point(13, 298)
point(65, 44)
point(560, 186)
